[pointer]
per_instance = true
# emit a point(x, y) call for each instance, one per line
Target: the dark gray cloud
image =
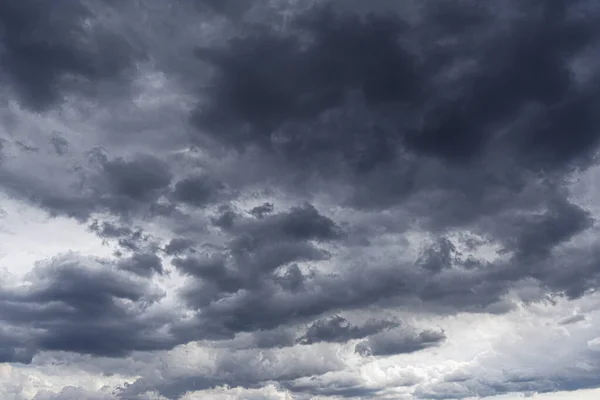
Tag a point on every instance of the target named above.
point(48, 51)
point(541, 233)
point(74, 306)
point(303, 222)
point(138, 179)
point(13, 349)
point(126, 237)
point(259, 248)
point(438, 256)
point(95, 184)
point(144, 264)
point(197, 191)
point(338, 329)
point(177, 246)
point(297, 84)
point(399, 342)
point(262, 210)
point(273, 338)
point(354, 157)
point(293, 83)
point(60, 144)
point(229, 8)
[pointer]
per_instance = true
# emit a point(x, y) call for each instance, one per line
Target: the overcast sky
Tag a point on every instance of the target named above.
point(299, 199)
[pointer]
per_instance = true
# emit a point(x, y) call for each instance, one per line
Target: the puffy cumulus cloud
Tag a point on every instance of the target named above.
point(299, 199)
point(269, 392)
point(55, 382)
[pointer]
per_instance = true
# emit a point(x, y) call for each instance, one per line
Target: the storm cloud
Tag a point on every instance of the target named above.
point(282, 199)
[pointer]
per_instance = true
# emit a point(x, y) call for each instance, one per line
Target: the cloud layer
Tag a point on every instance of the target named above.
point(319, 199)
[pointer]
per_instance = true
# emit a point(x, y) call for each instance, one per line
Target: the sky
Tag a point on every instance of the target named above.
point(299, 199)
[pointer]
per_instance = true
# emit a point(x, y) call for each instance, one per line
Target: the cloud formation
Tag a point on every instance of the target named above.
point(300, 199)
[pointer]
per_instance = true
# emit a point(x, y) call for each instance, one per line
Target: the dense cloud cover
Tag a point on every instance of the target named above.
point(301, 199)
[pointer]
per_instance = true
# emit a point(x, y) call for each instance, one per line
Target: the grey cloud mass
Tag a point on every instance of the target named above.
point(47, 49)
point(73, 306)
point(299, 199)
point(397, 343)
point(338, 329)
